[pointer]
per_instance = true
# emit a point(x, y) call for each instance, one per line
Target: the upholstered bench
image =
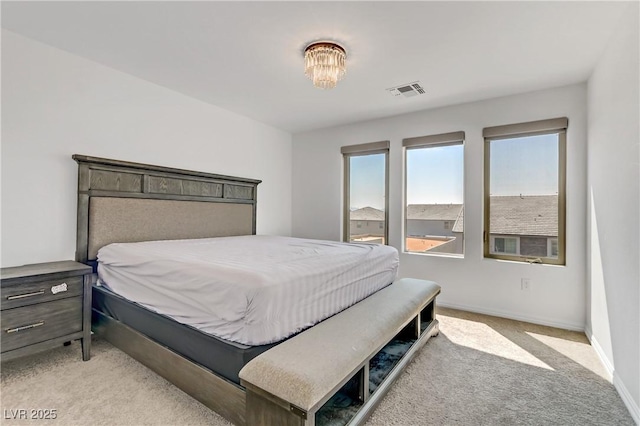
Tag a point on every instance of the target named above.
point(289, 383)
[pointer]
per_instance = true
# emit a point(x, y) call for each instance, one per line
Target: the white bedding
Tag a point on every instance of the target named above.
point(250, 289)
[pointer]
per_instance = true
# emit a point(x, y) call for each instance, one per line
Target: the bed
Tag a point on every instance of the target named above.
point(235, 296)
point(250, 289)
point(130, 204)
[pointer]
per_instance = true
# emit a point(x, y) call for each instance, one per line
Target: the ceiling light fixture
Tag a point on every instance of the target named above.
point(325, 63)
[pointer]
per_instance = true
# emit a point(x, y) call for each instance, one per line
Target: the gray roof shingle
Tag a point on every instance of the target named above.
point(433, 211)
point(524, 215)
point(521, 215)
point(459, 225)
point(366, 213)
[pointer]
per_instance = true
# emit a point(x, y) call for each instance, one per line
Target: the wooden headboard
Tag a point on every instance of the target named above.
point(119, 201)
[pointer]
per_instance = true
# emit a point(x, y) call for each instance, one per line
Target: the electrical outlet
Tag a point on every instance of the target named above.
point(525, 284)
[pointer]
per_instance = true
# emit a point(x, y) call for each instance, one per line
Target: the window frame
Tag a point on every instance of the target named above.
point(534, 128)
point(349, 151)
point(432, 141)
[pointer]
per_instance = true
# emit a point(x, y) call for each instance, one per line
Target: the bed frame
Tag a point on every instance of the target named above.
point(121, 201)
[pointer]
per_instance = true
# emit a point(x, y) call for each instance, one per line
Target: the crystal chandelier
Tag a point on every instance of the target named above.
point(325, 64)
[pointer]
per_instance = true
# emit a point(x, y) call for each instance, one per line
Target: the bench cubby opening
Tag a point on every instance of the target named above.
point(427, 315)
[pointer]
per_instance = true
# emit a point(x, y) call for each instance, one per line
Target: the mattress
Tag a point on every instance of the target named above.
point(253, 290)
point(220, 356)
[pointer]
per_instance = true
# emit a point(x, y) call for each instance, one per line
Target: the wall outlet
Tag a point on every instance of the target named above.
point(525, 284)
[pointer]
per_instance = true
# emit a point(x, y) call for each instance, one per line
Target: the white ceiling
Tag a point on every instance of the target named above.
point(247, 56)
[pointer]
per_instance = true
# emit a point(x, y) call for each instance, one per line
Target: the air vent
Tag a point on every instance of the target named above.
point(407, 90)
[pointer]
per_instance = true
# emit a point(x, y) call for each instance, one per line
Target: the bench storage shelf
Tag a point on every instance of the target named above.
point(338, 371)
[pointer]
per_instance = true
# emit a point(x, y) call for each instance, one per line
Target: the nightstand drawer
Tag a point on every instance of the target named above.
point(23, 294)
point(27, 325)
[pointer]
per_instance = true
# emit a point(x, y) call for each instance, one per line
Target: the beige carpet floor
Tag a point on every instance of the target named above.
point(480, 370)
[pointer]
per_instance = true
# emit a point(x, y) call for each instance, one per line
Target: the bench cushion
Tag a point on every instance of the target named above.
point(306, 368)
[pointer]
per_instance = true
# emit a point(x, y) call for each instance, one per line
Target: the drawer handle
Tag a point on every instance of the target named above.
point(25, 327)
point(22, 296)
point(59, 288)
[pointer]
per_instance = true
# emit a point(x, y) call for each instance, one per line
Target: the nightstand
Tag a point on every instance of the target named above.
point(43, 306)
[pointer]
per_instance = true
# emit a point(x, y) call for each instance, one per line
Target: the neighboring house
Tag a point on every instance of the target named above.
point(525, 225)
point(433, 226)
point(520, 225)
point(431, 219)
point(367, 223)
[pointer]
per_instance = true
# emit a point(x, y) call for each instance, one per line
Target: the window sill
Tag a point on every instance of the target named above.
point(521, 262)
point(445, 255)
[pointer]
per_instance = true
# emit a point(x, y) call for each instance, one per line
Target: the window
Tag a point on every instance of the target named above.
point(505, 245)
point(553, 247)
point(434, 167)
point(524, 194)
point(366, 184)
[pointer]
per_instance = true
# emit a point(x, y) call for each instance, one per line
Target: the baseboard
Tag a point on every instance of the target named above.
point(513, 316)
point(632, 405)
point(600, 352)
point(626, 397)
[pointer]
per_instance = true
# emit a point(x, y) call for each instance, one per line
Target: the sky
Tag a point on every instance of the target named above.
point(367, 181)
point(435, 175)
point(527, 166)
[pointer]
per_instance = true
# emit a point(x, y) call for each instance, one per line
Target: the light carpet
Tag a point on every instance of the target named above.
point(480, 370)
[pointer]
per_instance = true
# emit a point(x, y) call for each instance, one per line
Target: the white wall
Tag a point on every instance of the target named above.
point(55, 104)
point(557, 294)
point(613, 320)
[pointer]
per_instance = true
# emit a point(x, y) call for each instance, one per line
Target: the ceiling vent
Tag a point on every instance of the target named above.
point(407, 90)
